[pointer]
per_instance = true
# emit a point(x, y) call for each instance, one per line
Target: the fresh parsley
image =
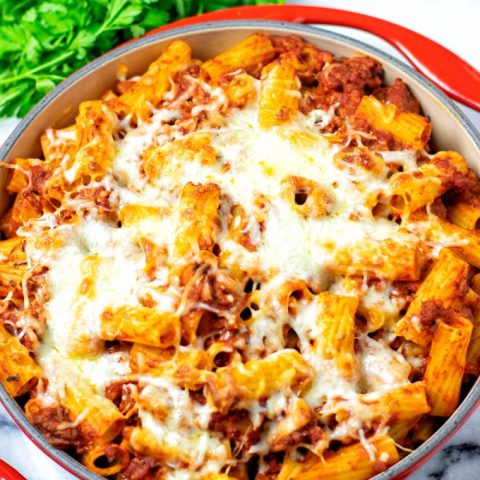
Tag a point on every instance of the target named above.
point(42, 42)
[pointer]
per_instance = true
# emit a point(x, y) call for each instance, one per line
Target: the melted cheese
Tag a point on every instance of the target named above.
point(120, 267)
point(327, 381)
point(381, 367)
point(182, 428)
point(251, 163)
point(406, 158)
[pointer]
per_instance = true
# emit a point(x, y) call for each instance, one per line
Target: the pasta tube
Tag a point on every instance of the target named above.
point(410, 128)
point(355, 462)
point(140, 325)
point(442, 286)
point(18, 370)
point(446, 364)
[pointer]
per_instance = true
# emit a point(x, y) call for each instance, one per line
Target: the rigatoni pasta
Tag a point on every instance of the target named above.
point(249, 267)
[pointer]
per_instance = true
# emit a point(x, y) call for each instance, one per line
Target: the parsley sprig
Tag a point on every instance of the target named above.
point(42, 42)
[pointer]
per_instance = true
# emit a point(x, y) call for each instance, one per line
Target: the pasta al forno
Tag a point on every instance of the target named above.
point(252, 267)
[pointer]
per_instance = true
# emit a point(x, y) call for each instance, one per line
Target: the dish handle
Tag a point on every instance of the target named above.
point(9, 473)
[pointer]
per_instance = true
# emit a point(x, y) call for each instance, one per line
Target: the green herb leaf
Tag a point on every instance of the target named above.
point(44, 41)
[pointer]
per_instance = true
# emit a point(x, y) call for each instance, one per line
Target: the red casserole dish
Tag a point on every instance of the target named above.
point(59, 108)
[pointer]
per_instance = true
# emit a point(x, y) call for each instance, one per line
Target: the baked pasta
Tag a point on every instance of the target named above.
point(251, 267)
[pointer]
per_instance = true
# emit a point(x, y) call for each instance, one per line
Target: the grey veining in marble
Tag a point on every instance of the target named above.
point(459, 459)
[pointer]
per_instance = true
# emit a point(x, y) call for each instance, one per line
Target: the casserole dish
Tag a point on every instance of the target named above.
point(451, 130)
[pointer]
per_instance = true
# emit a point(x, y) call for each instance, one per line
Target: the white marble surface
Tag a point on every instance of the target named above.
point(452, 23)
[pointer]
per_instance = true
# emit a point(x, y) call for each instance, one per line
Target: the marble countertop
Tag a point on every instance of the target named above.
point(451, 23)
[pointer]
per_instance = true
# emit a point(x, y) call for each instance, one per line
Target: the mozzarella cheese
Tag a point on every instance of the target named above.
point(251, 163)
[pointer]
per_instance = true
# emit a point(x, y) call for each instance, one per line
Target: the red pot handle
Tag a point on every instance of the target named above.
point(9, 473)
point(448, 71)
